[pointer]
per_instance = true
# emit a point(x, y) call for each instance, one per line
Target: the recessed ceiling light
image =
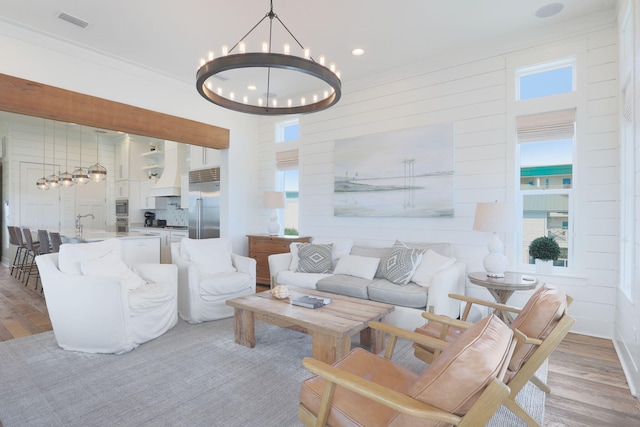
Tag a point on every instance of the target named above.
point(549, 10)
point(251, 87)
point(357, 52)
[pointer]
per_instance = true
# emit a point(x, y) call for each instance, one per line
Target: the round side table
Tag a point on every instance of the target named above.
point(503, 287)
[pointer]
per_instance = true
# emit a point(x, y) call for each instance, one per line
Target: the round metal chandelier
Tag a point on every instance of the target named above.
point(268, 103)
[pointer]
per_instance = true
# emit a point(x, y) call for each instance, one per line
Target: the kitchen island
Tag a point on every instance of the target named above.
point(136, 247)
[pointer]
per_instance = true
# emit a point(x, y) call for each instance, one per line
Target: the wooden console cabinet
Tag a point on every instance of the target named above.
point(261, 246)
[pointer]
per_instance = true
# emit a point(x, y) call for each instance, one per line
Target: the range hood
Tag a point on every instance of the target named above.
point(175, 164)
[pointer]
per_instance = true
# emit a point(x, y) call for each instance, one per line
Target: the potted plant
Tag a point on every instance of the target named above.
point(544, 250)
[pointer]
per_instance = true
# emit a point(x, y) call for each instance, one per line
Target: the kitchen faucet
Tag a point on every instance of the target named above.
point(79, 224)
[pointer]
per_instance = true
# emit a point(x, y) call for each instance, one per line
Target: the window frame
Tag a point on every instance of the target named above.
point(542, 67)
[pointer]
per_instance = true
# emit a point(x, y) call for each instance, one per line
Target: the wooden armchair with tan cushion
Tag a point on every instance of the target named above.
point(462, 387)
point(543, 321)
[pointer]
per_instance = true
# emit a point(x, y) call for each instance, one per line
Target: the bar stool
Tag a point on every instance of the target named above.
point(56, 241)
point(16, 265)
point(33, 250)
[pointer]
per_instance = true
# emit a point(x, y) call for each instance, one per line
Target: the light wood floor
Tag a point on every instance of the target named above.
point(588, 387)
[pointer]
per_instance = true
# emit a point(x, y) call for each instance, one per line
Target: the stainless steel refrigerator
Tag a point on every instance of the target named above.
point(204, 203)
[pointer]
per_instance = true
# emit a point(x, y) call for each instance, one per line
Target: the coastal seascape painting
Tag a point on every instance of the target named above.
point(407, 173)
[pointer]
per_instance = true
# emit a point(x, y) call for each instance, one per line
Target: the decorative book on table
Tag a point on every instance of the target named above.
point(310, 301)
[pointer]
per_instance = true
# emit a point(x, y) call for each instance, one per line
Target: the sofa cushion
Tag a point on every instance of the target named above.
point(343, 284)
point(371, 252)
point(358, 266)
point(70, 257)
point(432, 262)
point(443, 249)
point(457, 377)
point(410, 295)
point(149, 296)
point(300, 280)
point(214, 285)
point(212, 256)
point(399, 264)
point(314, 258)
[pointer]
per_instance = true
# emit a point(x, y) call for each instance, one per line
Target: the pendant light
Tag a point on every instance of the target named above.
point(42, 182)
point(66, 179)
point(97, 172)
point(80, 175)
point(52, 180)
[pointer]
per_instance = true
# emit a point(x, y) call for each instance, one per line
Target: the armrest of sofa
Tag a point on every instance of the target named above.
point(445, 282)
point(278, 263)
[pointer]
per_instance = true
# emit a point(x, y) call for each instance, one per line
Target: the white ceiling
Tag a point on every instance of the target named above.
point(171, 36)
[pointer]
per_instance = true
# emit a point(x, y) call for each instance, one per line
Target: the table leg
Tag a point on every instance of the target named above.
point(244, 330)
point(372, 338)
point(502, 296)
point(328, 348)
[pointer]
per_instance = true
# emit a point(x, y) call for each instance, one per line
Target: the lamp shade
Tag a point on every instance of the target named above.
point(273, 199)
point(493, 217)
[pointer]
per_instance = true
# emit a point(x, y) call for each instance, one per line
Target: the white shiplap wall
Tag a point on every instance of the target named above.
point(472, 90)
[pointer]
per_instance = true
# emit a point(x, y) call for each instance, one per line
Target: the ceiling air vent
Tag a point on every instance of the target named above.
point(73, 20)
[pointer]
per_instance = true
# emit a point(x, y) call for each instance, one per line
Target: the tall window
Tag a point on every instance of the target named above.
point(287, 175)
point(545, 146)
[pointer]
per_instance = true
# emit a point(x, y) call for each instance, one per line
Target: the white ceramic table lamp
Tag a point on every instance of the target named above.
point(273, 200)
point(494, 217)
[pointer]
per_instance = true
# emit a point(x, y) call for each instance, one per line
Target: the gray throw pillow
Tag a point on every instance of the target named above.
point(314, 258)
point(399, 264)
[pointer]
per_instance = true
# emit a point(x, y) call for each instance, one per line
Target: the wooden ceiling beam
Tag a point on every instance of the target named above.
point(36, 99)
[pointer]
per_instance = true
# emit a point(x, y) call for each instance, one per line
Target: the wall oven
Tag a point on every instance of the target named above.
point(122, 224)
point(122, 207)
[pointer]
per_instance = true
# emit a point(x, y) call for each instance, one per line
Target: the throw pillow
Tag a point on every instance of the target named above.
point(71, 257)
point(358, 266)
point(293, 248)
point(114, 269)
point(399, 264)
point(341, 247)
point(314, 258)
point(431, 263)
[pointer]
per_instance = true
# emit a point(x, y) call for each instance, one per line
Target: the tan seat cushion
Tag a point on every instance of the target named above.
point(351, 409)
point(536, 320)
point(454, 381)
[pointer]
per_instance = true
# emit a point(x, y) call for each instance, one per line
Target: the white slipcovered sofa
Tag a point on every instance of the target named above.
point(415, 277)
point(209, 274)
point(98, 304)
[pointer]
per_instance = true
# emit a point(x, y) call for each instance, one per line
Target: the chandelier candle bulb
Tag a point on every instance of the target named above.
point(307, 53)
point(286, 48)
point(202, 62)
point(265, 47)
point(321, 59)
point(289, 102)
point(260, 102)
point(210, 56)
point(332, 67)
point(303, 101)
point(225, 50)
point(245, 99)
point(241, 47)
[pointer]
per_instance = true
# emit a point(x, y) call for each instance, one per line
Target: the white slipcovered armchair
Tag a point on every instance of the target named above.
point(97, 304)
point(209, 274)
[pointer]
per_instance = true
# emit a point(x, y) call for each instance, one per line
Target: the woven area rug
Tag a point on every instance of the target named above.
point(194, 375)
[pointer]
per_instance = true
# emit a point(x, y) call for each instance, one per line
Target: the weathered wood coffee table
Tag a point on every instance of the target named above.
point(331, 326)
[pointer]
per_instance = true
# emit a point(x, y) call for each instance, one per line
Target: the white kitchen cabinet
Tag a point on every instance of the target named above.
point(164, 235)
point(184, 191)
point(201, 157)
point(122, 159)
point(147, 201)
point(177, 236)
point(153, 162)
point(142, 250)
point(122, 189)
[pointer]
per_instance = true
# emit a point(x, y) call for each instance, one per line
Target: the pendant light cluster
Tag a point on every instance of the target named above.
point(80, 176)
